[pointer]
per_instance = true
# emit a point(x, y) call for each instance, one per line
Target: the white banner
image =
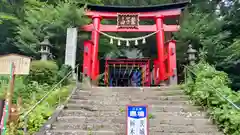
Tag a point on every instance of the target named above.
point(71, 46)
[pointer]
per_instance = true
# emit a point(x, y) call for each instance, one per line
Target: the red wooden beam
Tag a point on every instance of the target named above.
point(141, 28)
point(142, 15)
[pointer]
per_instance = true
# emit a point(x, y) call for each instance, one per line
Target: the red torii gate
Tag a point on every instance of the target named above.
point(165, 50)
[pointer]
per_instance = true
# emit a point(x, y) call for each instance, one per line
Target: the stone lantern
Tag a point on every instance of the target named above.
point(45, 49)
point(191, 55)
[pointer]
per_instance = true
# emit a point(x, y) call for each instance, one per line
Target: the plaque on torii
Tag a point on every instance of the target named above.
point(127, 21)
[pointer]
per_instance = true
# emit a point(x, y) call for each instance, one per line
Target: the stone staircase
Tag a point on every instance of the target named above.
point(101, 111)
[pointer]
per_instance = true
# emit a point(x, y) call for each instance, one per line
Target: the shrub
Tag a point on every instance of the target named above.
point(43, 72)
point(42, 112)
point(64, 70)
point(4, 80)
point(18, 85)
point(32, 91)
point(207, 88)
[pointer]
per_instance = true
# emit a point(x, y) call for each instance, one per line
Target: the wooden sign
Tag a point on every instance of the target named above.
point(21, 63)
point(128, 21)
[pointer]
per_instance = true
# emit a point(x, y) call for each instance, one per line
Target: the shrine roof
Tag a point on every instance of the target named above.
point(152, 8)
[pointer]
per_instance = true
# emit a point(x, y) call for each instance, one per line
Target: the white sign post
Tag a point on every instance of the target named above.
point(71, 46)
point(137, 120)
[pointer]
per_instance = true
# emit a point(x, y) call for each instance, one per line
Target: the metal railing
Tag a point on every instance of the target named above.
point(26, 115)
point(189, 72)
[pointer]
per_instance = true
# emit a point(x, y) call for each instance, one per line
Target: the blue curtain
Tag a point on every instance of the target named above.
point(136, 78)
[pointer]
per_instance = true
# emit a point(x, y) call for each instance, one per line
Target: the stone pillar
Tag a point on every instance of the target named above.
point(71, 48)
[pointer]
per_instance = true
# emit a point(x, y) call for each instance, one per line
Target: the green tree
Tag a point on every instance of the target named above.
point(10, 12)
point(42, 19)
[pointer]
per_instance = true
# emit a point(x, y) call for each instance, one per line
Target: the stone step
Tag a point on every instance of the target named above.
point(128, 89)
point(174, 120)
point(179, 120)
point(134, 88)
point(79, 132)
point(102, 111)
point(186, 134)
point(183, 129)
point(151, 108)
point(122, 127)
point(156, 102)
point(175, 98)
point(193, 115)
point(130, 92)
point(89, 126)
point(82, 132)
point(90, 113)
point(117, 120)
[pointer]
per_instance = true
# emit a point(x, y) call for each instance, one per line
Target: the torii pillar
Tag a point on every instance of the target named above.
point(95, 39)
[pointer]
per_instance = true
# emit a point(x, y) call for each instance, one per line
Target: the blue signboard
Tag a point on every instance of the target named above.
point(137, 120)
